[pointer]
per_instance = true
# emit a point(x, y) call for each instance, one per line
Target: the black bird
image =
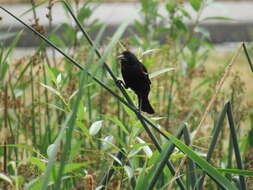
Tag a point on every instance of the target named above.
point(135, 76)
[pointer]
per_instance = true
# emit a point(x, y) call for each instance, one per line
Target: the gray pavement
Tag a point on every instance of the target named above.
point(21, 52)
point(113, 14)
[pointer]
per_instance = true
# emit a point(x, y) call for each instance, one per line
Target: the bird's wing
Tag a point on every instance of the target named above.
point(145, 72)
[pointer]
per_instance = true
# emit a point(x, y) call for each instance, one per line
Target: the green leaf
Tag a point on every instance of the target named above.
point(134, 152)
point(75, 166)
point(6, 178)
point(3, 69)
point(236, 171)
point(145, 147)
point(106, 143)
point(50, 149)
point(56, 40)
point(202, 31)
point(75, 150)
point(129, 171)
point(73, 95)
point(142, 180)
point(23, 146)
point(152, 75)
point(139, 145)
point(18, 92)
point(110, 144)
point(83, 127)
point(128, 110)
point(40, 3)
point(95, 127)
point(84, 13)
point(218, 18)
point(13, 44)
point(139, 27)
point(171, 6)
point(55, 91)
point(148, 51)
point(116, 159)
point(118, 123)
point(3, 63)
point(69, 33)
point(52, 72)
point(34, 184)
point(161, 30)
point(184, 12)
point(179, 24)
point(38, 162)
point(56, 107)
point(196, 4)
point(59, 78)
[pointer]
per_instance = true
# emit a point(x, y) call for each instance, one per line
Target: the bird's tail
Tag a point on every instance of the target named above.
point(145, 105)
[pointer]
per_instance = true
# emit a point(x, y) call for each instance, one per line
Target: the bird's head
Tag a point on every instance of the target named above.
point(127, 57)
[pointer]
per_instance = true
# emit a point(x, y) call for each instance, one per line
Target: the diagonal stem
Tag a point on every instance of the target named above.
point(247, 56)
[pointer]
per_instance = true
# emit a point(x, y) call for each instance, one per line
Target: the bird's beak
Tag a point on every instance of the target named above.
point(121, 57)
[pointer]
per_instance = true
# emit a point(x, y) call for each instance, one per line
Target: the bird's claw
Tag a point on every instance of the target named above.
point(121, 83)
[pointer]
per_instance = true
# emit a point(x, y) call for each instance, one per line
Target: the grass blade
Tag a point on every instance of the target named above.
point(247, 56)
point(215, 135)
point(152, 75)
point(235, 144)
point(236, 171)
point(208, 168)
point(191, 165)
point(162, 160)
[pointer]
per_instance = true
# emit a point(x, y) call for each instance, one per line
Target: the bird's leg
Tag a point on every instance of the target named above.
point(120, 82)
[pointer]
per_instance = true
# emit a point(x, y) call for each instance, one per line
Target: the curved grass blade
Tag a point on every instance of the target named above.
point(235, 144)
point(191, 165)
point(214, 139)
point(236, 171)
point(161, 161)
point(208, 168)
point(152, 75)
point(3, 61)
point(247, 56)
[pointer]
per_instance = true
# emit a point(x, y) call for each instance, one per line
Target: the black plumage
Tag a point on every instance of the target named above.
point(135, 76)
